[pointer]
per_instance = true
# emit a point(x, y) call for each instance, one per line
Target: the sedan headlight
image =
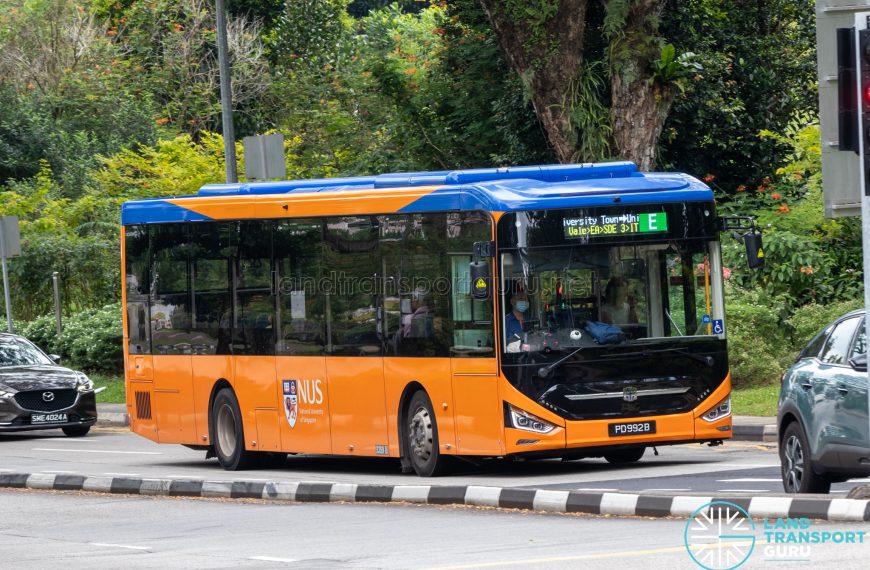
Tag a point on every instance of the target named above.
point(719, 411)
point(5, 392)
point(83, 383)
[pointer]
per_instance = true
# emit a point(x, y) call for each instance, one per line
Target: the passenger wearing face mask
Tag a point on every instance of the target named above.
point(515, 319)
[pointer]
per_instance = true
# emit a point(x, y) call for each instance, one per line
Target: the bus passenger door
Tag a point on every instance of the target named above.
point(478, 416)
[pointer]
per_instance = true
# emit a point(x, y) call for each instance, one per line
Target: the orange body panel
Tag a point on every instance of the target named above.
point(310, 432)
point(206, 371)
point(434, 375)
point(478, 409)
point(172, 399)
point(257, 390)
point(313, 204)
point(357, 404)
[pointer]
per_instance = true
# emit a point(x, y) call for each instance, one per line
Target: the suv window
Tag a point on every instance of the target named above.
point(838, 348)
point(815, 346)
point(860, 341)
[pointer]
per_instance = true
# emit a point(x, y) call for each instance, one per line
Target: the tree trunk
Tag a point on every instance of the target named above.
point(639, 104)
point(547, 55)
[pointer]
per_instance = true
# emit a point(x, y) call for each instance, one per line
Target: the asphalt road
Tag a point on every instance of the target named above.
point(90, 531)
point(734, 467)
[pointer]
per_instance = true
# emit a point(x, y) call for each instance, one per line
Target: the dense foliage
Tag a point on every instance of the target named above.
point(106, 100)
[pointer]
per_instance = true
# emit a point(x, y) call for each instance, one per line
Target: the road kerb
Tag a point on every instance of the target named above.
point(541, 500)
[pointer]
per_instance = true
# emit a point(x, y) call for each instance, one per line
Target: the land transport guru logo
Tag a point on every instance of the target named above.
point(719, 536)
point(722, 536)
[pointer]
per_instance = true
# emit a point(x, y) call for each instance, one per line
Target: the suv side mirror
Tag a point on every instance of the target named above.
point(54, 358)
point(859, 363)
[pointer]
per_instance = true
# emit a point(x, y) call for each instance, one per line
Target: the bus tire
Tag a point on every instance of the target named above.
point(625, 455)
point(229, 435)
point(421, 429)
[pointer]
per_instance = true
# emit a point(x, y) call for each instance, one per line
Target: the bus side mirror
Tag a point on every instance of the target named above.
point(754, 249)
point(480, 280)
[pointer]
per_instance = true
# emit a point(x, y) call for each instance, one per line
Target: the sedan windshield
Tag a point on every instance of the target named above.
point(15, 352)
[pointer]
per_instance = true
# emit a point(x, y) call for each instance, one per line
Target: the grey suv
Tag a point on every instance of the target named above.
point(822, 420)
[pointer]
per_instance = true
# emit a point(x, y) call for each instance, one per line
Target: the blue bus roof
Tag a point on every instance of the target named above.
point(490, 189)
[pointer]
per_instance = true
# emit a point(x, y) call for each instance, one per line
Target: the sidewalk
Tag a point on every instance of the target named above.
point(746, 428)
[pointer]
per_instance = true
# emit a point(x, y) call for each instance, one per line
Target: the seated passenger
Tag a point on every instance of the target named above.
point(618, 307)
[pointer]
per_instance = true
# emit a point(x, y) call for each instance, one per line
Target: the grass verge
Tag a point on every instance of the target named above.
point(114, 392)
point(755, 400)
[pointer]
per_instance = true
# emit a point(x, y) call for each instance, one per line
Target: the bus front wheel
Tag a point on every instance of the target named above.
point(625, 455)
point(229, 436)
point(422, 433)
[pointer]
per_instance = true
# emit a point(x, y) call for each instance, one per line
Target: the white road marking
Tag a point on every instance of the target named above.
point(6, 470)
point(595, 489)
point(59, 472)
point(751, 480)
point(123, 474)
point(743, 490)
point(250, 479)
point(273, 559)
point(98, 451)
point(665, 489)
point(747, 465)
point(840, 491)
point(127, 546)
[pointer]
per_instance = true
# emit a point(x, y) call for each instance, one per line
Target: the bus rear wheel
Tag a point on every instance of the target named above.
point(625, 455)
point(422, 433)
point(229, 435)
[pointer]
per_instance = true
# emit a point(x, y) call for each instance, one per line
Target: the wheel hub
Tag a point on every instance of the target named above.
point(421, 434)
point(794, 463)
point(226, 431)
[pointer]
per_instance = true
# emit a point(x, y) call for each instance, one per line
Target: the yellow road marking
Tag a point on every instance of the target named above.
point(605, 555)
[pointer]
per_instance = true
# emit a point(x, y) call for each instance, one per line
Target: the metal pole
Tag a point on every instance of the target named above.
point(56, 284)
point(6, 295)
point(226, 94)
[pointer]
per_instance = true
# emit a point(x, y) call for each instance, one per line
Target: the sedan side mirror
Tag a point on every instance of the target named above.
point(859, 363)
point(54, 358)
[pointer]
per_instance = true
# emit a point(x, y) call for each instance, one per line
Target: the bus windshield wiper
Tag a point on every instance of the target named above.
point(545, 371)
point(708, 360)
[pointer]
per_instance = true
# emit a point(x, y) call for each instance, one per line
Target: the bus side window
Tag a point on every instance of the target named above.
point(351, 258)
point(210, 285)
point(254, 303)
point(415, 299)
point(472, 319)
point(170, 299)
point(137, 254)
point(300, 317)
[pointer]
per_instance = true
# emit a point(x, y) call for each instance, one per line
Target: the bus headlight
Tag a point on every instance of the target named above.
point(719, 411)
point(83, 383)
point(523, 420)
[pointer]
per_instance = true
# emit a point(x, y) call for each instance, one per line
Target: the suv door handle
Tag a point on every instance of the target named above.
point(842, 389)
point(806, 385)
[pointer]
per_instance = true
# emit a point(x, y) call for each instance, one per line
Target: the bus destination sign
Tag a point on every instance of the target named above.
point(615, 224)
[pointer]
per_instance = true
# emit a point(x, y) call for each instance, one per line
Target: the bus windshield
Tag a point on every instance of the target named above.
point(591, 305)
point(598, 295)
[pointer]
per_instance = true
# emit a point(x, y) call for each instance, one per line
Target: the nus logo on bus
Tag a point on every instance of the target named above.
point(309, 392)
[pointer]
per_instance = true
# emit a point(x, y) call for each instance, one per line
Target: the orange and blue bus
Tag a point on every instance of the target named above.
point(531, 312)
